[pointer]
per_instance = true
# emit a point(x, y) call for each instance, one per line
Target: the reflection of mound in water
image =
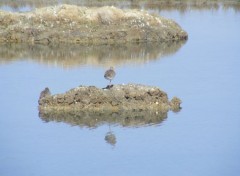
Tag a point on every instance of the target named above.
point(70, 55)
point(130, 119)
point(93, 120)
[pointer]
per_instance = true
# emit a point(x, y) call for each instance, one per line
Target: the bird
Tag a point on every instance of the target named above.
point(110, 74)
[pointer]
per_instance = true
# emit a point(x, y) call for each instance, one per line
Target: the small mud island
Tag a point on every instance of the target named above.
point(118, 98)
point(84, 25)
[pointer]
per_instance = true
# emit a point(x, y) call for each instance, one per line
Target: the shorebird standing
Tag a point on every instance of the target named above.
point(110, 74)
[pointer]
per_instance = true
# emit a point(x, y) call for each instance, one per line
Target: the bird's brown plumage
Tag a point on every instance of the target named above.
point(110, 74)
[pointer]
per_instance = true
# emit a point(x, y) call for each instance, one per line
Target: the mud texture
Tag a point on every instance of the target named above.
point(76, 24)
point(118, 98)
point(130, 105)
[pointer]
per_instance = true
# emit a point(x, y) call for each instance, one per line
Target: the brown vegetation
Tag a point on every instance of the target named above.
point(74, 24)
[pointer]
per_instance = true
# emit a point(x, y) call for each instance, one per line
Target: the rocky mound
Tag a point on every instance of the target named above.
point(118, 98)
point(75, 24)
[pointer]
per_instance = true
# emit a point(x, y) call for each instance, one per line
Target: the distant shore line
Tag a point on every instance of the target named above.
point(182, 5)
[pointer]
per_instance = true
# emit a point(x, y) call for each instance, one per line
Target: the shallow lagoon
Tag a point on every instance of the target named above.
point(202, 139)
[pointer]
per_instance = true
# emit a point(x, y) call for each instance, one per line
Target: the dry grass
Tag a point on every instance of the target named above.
point(75, 24)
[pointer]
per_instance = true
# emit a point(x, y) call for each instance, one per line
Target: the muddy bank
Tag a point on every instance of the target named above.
point(74, 55)
point(125, 105)
point(75, 24)
point(119, 98)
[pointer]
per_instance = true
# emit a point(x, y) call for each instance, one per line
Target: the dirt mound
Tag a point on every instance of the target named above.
point(130, 97)
point(75, 24)
point(126, 105)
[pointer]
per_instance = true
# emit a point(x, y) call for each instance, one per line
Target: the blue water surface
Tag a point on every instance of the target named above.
point(202, 139)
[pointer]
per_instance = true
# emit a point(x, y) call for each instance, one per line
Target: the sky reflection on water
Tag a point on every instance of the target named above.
point(202, 139)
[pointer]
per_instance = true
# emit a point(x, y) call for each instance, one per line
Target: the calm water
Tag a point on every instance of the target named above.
point(202, 139)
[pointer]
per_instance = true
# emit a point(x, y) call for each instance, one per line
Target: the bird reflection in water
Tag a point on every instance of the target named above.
point(110, 138)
